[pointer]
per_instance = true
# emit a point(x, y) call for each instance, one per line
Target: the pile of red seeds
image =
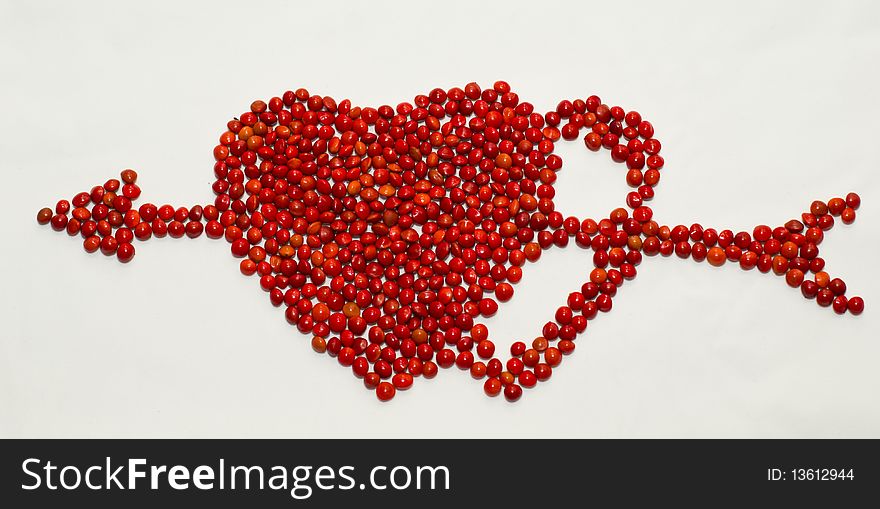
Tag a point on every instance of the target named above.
point(386, 233)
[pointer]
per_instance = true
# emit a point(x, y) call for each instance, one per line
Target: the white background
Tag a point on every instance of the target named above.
point(762, 107)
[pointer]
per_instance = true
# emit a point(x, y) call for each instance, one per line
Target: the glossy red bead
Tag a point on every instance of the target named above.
point(856, 305)
point(512, 392)
point(385, 391)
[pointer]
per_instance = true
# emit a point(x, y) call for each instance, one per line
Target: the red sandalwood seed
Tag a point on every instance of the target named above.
point(44, 215)
point(492, 387)
point(856, 305)
point(109, 245)
point(512, 392)
point(839, 304)
point(385, 391)
point(794, 278)
point(824, 297)
point(836, 206)
point(92, 243)
point(853, 200)
point(125, 252)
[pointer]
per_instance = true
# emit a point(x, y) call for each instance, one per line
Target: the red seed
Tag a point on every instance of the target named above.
point(385, 391)
point(794, 278)
point(492, 387)
point(512, 392)
point(856, 305)
point(125, 252)
point(839, 304)
point(402, 381)
point(716, 256)
point(109, 245)
point(853, 201)
point(92, 243)
point(44, 215)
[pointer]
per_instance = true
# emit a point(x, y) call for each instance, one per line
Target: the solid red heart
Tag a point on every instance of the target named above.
point(386, 233)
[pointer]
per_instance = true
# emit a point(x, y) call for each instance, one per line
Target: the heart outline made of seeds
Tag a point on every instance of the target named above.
point(386, 232)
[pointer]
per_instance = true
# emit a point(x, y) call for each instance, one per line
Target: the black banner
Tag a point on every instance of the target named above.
point(396, 473)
